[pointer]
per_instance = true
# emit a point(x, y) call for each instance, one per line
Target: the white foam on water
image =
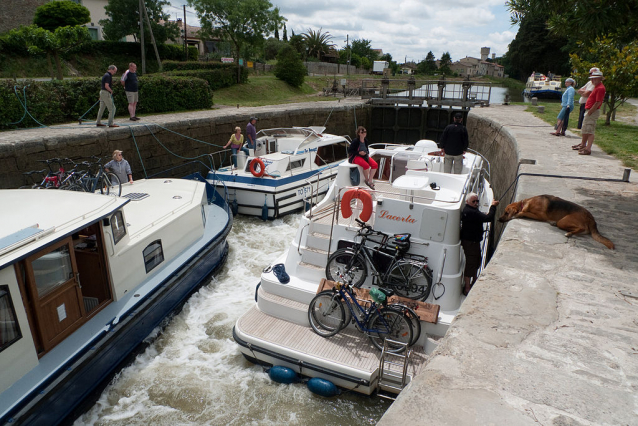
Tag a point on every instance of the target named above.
point(193, 372)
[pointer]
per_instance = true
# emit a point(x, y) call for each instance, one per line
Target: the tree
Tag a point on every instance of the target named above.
point(444, 64)
point(290, 67)
point(242, 22)
point(428, 65)
point(386, 57)
point(57, 14)
point(582, 19)
point(298, 43)
point(38, 40)
point(363, 48)
point(536, 49)
point(124, 20)
point(619, 65)
point(272, 47)
point(318, 43)
point(285, 37)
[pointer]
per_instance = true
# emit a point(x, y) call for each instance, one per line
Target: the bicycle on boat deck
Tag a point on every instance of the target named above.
point(407, 274)
point(328, 315)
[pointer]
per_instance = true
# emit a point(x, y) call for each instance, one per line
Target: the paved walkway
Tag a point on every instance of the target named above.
point(549, 335)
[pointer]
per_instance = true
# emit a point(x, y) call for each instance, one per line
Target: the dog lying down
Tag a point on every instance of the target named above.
point(558, 212)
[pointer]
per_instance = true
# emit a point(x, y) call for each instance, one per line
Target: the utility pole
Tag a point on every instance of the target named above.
point(141, 6)
point(348, 49)
point(148, 22)
point(185, 37)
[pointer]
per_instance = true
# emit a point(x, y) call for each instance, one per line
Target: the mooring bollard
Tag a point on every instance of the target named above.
point(534, 101)
point(541, 109)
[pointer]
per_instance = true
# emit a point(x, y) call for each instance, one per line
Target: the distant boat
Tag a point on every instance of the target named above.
point(540, 86)
point(85, 278)
point(278, 177)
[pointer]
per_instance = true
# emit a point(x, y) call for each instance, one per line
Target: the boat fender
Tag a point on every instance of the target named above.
point(360, 194)
point(234, 207)
point(323, 387)
point(262, 167)
point(264, 209)
point(281, 374)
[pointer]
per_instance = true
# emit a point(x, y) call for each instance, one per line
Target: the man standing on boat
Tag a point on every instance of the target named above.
point(454, 143)
point(472, 220)
point(251, 133)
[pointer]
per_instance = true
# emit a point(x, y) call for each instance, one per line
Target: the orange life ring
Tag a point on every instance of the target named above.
point(360, 194)
point(262, 169)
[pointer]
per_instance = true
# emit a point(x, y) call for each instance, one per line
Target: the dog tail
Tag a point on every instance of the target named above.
point(596, 236)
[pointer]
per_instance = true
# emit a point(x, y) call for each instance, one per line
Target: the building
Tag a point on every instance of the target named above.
point(475, 67)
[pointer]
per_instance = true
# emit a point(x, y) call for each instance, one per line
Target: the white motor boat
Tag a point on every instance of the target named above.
point(541, 86)
point(85, 278)
point(285, 168)
point(412, 196)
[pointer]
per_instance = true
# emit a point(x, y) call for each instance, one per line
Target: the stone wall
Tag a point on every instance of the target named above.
point(14, 13)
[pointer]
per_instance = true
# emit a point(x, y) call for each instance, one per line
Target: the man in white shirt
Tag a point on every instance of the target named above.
point(584, 93)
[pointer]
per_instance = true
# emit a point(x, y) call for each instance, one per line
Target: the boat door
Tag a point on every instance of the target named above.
point(55, 295)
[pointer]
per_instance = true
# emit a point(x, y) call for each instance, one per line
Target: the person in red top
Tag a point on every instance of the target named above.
point(592, 112)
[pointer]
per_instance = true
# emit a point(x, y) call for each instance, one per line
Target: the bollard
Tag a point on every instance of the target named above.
point(534, 101)
point(625, 176)
point(506, 101)
point(541, 109)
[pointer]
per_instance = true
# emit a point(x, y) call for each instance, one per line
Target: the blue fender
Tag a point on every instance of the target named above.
point(323, 387)
point(281, 374)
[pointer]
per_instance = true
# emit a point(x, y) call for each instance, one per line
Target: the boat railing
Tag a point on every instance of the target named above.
point(223, 157)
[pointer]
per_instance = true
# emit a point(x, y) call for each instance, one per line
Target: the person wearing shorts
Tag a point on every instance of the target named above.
point(129, 81)
point(592, 108)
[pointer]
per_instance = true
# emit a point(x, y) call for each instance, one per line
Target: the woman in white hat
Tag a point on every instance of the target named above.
point(567, 104)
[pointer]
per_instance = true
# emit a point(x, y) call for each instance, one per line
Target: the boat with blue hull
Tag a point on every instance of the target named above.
point(279, 175)
point(541, 86)
point(86, 278)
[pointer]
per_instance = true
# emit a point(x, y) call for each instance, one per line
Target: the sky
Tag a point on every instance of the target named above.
point(407, 29)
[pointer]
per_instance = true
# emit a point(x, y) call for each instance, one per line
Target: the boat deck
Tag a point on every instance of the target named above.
point(350, 347)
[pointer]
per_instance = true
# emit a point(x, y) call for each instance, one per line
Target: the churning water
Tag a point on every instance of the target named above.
point(193, 373)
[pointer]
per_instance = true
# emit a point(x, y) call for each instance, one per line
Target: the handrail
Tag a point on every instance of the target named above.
point(300, 235)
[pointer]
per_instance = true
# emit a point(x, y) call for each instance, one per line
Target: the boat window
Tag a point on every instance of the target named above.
point(9, 327)
point(52, 270)
point(153, 255)
point(331, 153)
point(117, 226)
point(296, 164)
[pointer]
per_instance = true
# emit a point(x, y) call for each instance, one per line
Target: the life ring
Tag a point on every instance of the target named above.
point(262, 169)
point(360, 194)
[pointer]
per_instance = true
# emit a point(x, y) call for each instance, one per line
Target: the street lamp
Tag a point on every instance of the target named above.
point(348, 49)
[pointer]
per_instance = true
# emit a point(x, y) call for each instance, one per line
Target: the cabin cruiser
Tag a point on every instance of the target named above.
point(412, 196)
point(541, 86)
point(286, 166)
point(85, 278)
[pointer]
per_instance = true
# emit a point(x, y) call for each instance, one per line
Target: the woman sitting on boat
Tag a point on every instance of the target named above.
point(236, 142)
point(358, 154)
point(567, 104)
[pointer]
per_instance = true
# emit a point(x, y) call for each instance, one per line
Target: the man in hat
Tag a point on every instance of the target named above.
point(251, 133)
point(584, 93)
point(454, 142)
point(592, 108)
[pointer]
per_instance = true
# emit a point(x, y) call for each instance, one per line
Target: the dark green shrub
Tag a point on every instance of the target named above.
point(216, 78)
point(289, 67)
point(182, 66)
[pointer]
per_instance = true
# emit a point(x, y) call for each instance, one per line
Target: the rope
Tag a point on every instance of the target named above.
point(324, 124)
point(87, 111)
point(24, 93)
point(138, 152)
point(171, 152)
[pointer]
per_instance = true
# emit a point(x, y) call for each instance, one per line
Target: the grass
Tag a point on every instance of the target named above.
point(617, 139)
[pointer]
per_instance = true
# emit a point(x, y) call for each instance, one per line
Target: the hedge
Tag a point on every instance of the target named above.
point(52, 102)
point(216, 78)
point(184, 66)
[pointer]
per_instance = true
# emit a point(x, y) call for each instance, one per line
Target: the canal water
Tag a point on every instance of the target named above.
point(192, 372)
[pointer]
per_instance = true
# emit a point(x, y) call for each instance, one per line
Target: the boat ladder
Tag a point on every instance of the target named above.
point(393, 370)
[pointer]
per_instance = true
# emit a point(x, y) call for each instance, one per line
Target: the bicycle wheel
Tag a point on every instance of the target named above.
point(343, 265)
point(326, 314)
point(115, 184)
point(390, 324)
point(410, 279)
point(73, 187)
point(413, 317)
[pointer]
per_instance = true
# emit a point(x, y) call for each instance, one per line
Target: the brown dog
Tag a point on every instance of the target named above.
point(562, 213)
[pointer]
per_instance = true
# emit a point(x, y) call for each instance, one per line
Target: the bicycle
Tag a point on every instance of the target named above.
point(407, 274)
point(108, 183)
point(327, 316)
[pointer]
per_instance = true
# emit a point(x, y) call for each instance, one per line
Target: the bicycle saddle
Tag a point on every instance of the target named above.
point(387, 291)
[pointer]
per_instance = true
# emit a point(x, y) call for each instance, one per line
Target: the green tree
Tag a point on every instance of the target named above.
point(272, 47)
point(444, 64)
point(363, 48)
point(285, 37)
point(124, 20)
point(38, 40)
point(242, 22)
point(318, 43)
point(290, 67)
point(298, 43)
point(385, 57)
point(536, 49)
point(57, 14)
point(619, 65)
point(428, 65)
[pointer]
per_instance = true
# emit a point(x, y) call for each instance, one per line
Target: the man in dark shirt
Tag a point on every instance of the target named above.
point(472, 220)
point(251, 133)
point(129, 81)
point(106, 97)
point(454, 142)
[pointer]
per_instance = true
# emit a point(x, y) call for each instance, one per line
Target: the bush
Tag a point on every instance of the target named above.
point(216, 78)
point(289, 67)
point(183, 66)
point(52, 102)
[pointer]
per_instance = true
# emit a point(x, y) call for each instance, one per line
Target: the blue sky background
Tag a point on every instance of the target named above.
point(407, 29)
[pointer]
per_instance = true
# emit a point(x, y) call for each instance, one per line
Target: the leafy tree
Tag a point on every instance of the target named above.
point(298, 43)
point(386, 57)
point(535, 49)
point(285, 37)
point(366, 63)
point(290, 67)
point(582, 19)
point(619, 65)
point(57, 14)
point(124, 20)
point(272, 47)
point(428, 65)
point(363, 48)
point(38, 40)
point(445, 62)
point(277, 33)
point(318, 43)
point(242, 22)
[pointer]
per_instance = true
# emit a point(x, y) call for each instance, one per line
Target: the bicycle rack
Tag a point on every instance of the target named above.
point(391, 381)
